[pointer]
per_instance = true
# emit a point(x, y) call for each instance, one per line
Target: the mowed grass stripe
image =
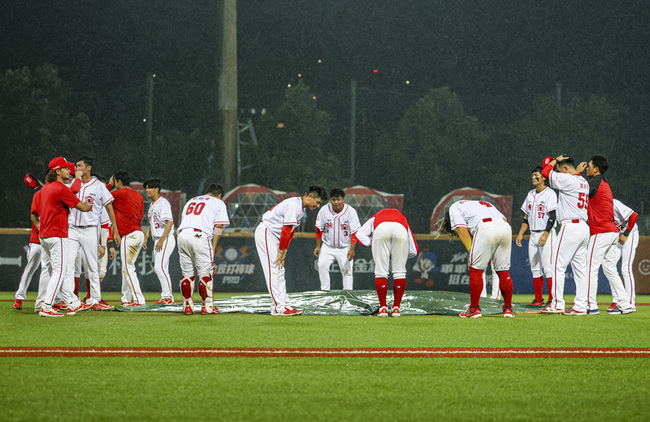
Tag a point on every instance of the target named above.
point(328, 352)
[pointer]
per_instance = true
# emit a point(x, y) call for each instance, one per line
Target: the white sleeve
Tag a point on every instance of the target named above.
point(292, 214)
point(364, 234)
point(456, 217)
point(355, 224)
point(552, 201)
point(559, 180)
point(222, 215)
point(166, 211)
point(524, 206)
point(319, 219)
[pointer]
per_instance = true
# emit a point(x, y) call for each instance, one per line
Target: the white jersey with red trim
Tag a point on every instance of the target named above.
point(470, 214)
point(622, 214)
point(338, 227)
point(537, 206)
point(573, 197)
point(203, 213)
point(289, 212)
point(105, 220)
point(160, 212)
point(95, 193)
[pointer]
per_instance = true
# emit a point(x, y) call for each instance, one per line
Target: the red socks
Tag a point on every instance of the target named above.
point(475, 286)
point(399, 286)
point(505, 284)
point(381, 284)
point(186, 287)
point(538, 286)
point(549, 285)
point(76, 286)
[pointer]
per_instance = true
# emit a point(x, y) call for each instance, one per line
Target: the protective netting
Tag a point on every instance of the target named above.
point(349, 302)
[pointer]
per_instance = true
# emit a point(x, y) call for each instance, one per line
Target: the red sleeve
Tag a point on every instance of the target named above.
point(319, 233)
point(353, 238)
point(632, 221)
point(109, 186)
point(110, 233)
point(287, 235)
point(69, 198)
point(75, 187)
point(547, 171)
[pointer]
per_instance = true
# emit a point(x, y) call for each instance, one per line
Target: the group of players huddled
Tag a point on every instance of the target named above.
point(80, 219)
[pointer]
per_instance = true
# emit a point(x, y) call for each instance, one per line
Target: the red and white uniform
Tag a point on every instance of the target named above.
point(268, 235)
point(128, 205)
point(336, 230)
point(392, 242)
point(195, 233)
point(160, 212)
point(491, 233)
point(84, 236)
point(536, 207)
point(55, 202)
point(625, 219)
point(573, 238)
point(34, 253)
point(104, 234)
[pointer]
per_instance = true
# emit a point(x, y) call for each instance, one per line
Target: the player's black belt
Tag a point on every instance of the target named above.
point(537, 231)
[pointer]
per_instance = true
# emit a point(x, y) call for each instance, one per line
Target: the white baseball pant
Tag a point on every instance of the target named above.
point(56, 250)
point(626, 254)
point(492, 242)
point(268, 245)
point(496, 292)
point(327, 255)
point(195, 253)
point(572, 245)
point(33, 261)
point(161, 264)
point(42, 282)
point(84, 242)
point(129, 251)
point(540, 256)
point(103, 261)
point(390, 245)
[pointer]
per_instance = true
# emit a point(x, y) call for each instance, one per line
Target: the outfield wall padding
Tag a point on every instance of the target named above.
point(441, 265)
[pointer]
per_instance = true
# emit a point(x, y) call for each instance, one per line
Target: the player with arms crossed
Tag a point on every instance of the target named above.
point(604, 238)
point(487, 236)
point(573, 238)
point(625, 251)
point(203, 220)
point(335, 224)
point(539, 214)
point(272, 238)
point(392, 242)
point(161, 224)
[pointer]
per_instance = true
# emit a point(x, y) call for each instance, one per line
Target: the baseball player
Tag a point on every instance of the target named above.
point(392, 242)
point(487, 236)
point(625, 251)
point(161, 223)
point(540, 214)
point(573, 238)
point(203, 220)
point(84, 232)
point(335, 224)
point(54, 203)
point(34, 253)
point(604, 238)
point(272, 238)
point(129, 210)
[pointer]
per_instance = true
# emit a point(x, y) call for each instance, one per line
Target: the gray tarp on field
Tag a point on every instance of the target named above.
point(349, 302)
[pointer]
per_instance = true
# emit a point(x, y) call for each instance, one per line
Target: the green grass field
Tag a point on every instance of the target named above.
point(377, 389)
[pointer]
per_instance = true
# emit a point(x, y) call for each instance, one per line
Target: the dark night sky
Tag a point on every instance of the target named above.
point(478, 48)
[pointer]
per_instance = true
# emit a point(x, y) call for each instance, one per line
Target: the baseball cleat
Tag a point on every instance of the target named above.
point(395, 312)
point(574, 312)
point(551, 310)
point(288, 311)
point(548, 303)
point(383, 312)
point(18, 304)
point(612, 307)
point(188, 307)
point(50, 313)
point(59, 306)
point(593, 311)
point(80, 308)
point(537, 303)
point(470, 312)
point(507, 312)
point(205, 311)
point(165, 301)
point(131, 304)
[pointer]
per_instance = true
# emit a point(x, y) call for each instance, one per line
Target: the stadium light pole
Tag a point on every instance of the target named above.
point(228, 92)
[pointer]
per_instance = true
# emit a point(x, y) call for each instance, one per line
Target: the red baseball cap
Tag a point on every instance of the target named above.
point(546, 161)
point(31, 181)
point(72, 167)
point(57, 163)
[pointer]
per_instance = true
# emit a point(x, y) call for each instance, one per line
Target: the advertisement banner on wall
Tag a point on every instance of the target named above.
point(441, 265)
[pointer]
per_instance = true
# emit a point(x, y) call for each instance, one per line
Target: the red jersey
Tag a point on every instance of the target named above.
point(601, 207)
point(33, 237)
point(56, 199)
point(129, 209)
